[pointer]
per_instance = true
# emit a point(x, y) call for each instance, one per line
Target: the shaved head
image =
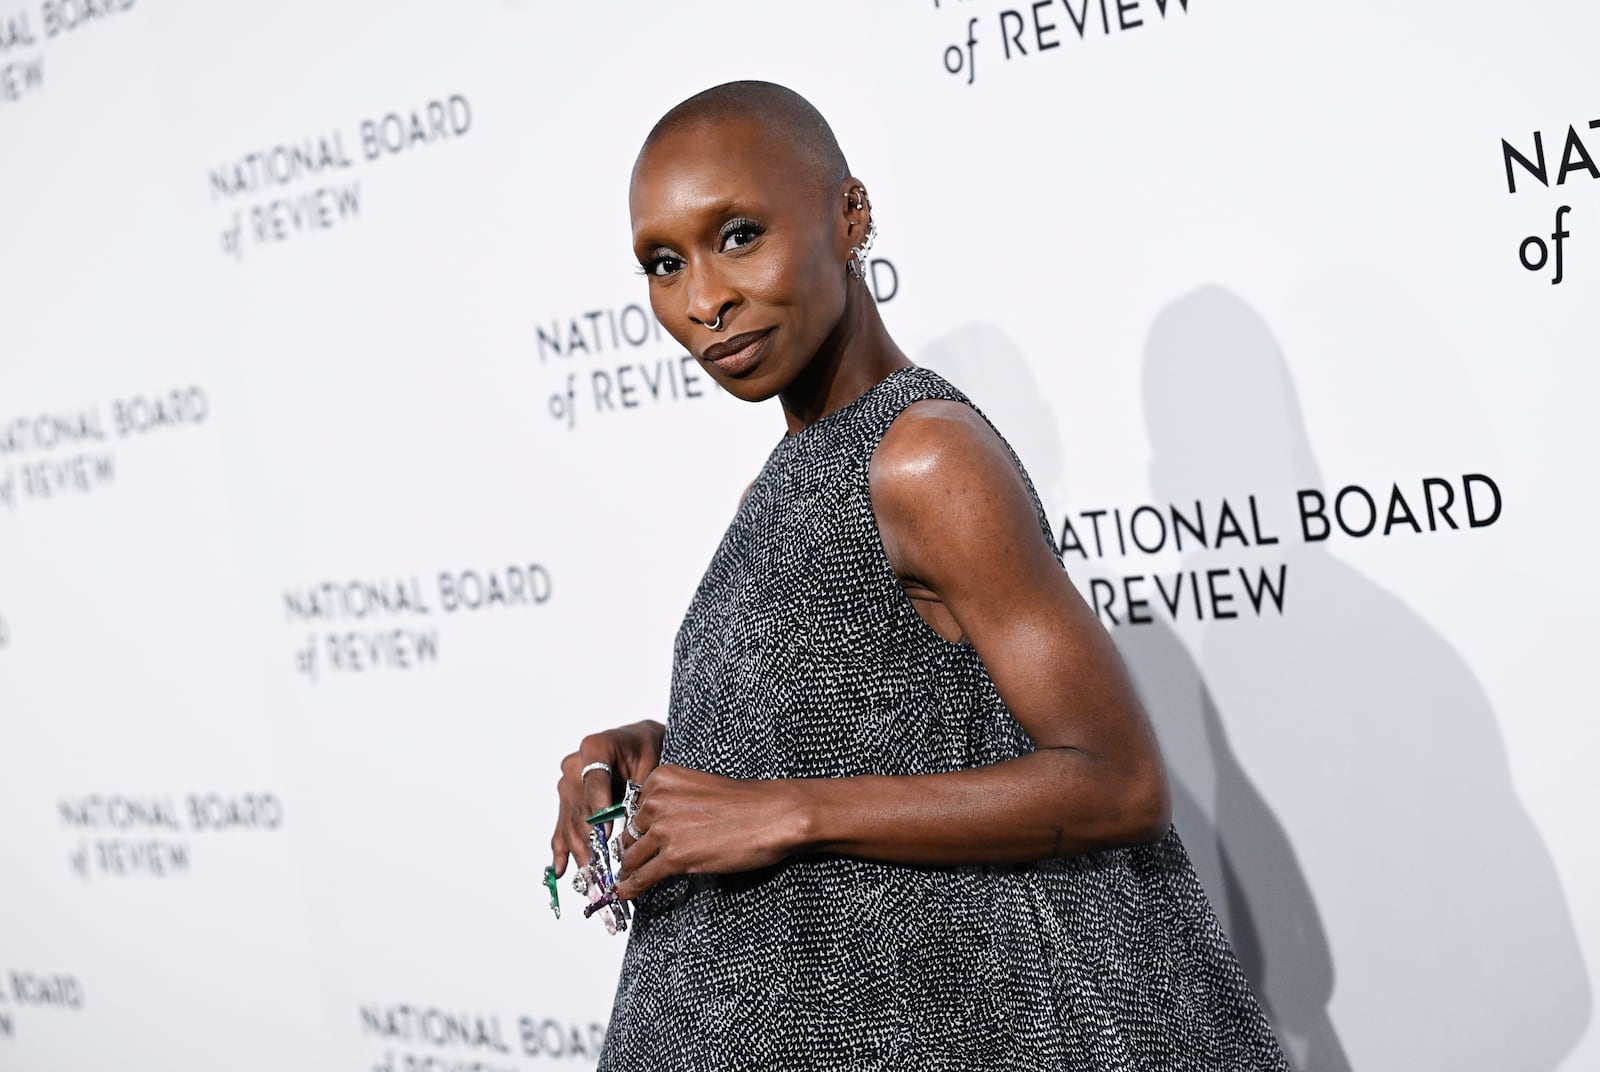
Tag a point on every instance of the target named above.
point(787, 118)
point(746, 221)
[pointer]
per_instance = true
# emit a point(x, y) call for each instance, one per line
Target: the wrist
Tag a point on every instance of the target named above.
point(800, 815)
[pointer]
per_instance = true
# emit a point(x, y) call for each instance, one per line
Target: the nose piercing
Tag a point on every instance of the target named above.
point(715, 325)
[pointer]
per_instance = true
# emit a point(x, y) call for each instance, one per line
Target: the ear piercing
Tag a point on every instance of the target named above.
point(856, 266)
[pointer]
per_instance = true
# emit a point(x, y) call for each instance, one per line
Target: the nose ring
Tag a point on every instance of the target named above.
point(715, 325)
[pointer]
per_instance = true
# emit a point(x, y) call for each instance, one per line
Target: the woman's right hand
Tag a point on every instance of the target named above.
point(632, 751)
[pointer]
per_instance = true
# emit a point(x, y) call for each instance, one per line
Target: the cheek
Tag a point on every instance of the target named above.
point(771, 281)
point(670, 314)
point(824, 294)
point(801, 279)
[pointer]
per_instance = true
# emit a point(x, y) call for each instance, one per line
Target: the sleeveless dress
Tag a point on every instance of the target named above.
point(801, 656)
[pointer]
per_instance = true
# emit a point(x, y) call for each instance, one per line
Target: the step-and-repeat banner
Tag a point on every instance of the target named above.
point(346, 481)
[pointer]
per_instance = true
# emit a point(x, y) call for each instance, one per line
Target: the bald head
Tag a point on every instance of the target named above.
point(787, 118)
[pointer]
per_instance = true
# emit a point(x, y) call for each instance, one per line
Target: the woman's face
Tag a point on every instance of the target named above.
point(728, 223)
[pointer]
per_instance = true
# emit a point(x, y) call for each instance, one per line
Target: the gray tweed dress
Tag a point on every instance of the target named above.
point(800, 656)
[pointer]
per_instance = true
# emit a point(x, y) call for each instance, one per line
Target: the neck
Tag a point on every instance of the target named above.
point(857, 355)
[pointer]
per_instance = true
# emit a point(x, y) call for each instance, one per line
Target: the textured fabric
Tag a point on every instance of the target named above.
point(800, 656)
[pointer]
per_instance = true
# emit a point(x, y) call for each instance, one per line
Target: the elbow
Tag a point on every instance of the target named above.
point(1131, 806)
point(1147, 806)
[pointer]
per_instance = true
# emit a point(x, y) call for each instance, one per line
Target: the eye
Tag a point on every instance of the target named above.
point(663, 264)
point(738, 233)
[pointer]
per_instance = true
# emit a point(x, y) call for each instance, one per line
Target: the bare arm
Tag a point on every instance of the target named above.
point(957, 522)
point(956, 518)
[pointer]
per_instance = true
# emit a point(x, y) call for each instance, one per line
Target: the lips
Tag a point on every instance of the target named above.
point(738, 353)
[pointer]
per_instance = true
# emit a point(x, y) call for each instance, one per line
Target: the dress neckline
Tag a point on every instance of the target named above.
point(856, 401)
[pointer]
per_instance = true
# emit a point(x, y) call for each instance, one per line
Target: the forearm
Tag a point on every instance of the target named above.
point(1049, 803)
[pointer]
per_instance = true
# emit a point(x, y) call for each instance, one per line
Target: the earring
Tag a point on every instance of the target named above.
point(856, 266)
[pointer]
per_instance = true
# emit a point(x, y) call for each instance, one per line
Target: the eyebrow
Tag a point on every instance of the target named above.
point(718, 209)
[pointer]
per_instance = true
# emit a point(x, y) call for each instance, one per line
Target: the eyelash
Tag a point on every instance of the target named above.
point(737, 225)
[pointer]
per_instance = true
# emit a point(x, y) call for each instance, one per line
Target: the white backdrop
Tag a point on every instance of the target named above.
point(344, 484)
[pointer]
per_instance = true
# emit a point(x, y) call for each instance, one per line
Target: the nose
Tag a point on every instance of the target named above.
point(709, 297)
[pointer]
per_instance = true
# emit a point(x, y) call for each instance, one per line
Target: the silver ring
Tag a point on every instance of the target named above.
point(633, 831)
point(715, 325)
point(630, 798)
point(596, 765)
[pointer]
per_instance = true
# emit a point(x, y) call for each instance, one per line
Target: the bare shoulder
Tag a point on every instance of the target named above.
point(943, 448)
point(951, 505)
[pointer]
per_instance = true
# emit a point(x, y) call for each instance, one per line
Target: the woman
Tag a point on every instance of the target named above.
point(906, 809)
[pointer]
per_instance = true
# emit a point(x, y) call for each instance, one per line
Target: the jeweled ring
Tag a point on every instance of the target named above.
point(596, 765)
point(630, 797)
point(633, 831)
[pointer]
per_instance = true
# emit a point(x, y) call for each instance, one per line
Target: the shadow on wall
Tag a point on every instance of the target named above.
point(1416, 903)
point(1240, 851)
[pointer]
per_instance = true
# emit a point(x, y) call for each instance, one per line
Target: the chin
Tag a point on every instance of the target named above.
point(763, 382)
point(750, 389)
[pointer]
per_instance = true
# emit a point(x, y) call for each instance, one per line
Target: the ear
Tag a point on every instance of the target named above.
point(855, 214)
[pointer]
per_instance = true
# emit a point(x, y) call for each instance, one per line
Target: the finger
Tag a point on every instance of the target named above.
point(574, 831)
point(559, 853)
point(636, 850)
point(597, 785)
point(563, 845)
point(571, 831)
point(577, 829)
point(558, 838)
point(645, 874)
